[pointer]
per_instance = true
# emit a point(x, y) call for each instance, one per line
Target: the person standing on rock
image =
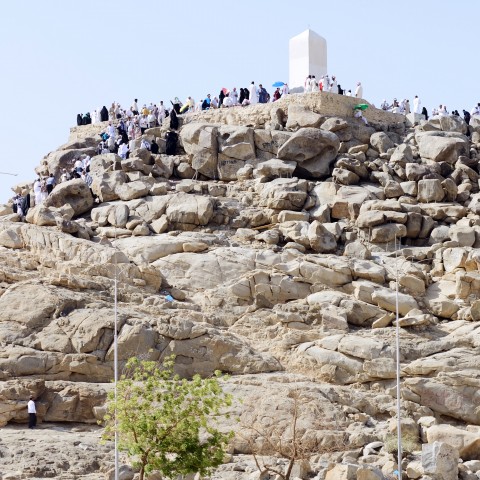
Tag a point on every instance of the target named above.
point(308, 84)
point(417, 105)
point(262, 94)
point(50, 183)
point(253, 95)
point(334, 85)
point(234, 96)
point(161, 113)
point(134, 107)
point(359, 90)
point(32, 413)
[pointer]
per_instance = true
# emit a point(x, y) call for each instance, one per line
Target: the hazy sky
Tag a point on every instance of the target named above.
point(63, 57)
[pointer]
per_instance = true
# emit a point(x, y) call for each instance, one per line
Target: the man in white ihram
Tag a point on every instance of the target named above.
point(417, 105)
point(253, 94)
point(32, 413)
point(359, 90)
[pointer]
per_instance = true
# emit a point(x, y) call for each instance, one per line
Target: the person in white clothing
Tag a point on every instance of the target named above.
point(123, 150)
point(308, 84)
point(234, 96)
point(334, 85)
point(359, 90)
point(442, 110)
point(37, 189)
point(417, 105)
point(349, 93)
point(32, 413)
point(64, 177)
point(285, 90)
point(227, 101)
point(161, 113)
point(359, 114)
point(111, 130)
point(475, 110)
point(253, 98)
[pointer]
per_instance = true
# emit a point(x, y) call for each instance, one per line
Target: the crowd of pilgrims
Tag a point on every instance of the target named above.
point(44, 185)
point(127, 125)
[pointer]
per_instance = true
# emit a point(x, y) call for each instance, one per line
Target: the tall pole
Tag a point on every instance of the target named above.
point(397, 331)
point(115, 359)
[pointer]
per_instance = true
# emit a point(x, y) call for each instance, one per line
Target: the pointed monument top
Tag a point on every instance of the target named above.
point(309, 33)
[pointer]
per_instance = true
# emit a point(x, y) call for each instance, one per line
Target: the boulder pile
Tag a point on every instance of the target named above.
point(281, 244)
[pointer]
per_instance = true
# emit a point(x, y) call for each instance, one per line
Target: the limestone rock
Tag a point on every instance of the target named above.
point(441, 460)
point(381, 142)
point(441, 146)
point(312, 149)
point(190, 209)
point(301, 117)
point(74, 193)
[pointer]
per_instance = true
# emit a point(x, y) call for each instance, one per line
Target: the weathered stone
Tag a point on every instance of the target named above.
point(430, 191)
point(312, 149)
point(381, 142)
point(74, 193)
point(441, 460)
point(301, 117)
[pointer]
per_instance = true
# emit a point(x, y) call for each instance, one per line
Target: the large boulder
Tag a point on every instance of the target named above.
point(442, 146)
point(75, 193)
point(440, 460)
point(430, 190)
point(283, 194)
point(200, 142)
point(236, 142)
point(190, 209)
point(269, 141)
point(313, 150)
point(447, 123)
point(381, 142)
point(301, 117)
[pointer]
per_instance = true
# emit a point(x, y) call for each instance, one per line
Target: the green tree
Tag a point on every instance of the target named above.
point(166, 423)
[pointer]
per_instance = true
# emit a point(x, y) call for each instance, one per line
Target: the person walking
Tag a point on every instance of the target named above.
point(32, 413)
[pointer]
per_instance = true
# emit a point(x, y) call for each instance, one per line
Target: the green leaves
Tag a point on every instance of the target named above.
point(167, 423)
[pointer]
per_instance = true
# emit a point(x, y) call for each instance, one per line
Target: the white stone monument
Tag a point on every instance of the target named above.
point(307, 56)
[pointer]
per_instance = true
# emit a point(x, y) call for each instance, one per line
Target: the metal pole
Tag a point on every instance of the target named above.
point(397, 331)
point(115, 359)
point(6, 173)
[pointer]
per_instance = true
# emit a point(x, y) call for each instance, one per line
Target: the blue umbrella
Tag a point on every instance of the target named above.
point(278, 84)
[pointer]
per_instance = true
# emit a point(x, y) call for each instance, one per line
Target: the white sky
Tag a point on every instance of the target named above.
point(63, 57)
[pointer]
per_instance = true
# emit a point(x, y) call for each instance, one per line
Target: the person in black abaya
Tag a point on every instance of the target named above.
point(466, 117)
point(242, 96)
point(79, 119)
point(221, 96)
point(173, 119)
point(104, 114)
point(171, 143)
point(154, 147)
point(425, 113)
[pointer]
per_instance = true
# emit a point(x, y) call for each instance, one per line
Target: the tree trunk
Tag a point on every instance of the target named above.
point(289, 469)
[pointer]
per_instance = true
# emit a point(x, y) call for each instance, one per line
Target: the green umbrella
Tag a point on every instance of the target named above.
point(360, 106)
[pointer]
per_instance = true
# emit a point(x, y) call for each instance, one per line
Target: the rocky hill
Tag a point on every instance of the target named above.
point(269, 247)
